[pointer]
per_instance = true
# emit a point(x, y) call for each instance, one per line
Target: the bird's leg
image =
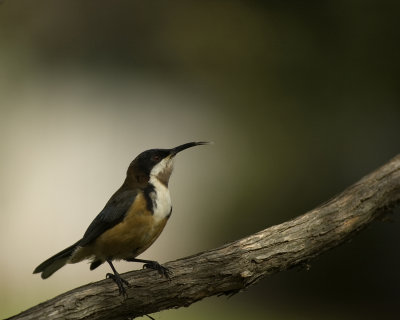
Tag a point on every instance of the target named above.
point(118, 280)
point(149, 264)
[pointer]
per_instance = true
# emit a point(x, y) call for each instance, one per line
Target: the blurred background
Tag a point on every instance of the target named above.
point(300, 97)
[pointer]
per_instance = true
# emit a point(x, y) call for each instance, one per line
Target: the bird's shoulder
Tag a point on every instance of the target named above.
point(112, 214)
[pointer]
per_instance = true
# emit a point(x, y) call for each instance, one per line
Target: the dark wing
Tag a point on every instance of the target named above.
point(112, 214)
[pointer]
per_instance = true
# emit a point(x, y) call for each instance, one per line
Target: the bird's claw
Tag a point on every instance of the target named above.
point(120, 283)
point(165, 272)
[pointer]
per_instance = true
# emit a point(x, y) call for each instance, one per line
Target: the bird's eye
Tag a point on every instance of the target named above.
point(156, 158)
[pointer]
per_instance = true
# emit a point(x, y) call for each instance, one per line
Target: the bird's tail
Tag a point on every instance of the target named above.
point(51, 265)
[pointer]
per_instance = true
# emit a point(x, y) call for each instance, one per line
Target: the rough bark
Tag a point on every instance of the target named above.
point(237, 265)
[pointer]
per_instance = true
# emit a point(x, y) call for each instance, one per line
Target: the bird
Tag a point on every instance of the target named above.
point(130, 222)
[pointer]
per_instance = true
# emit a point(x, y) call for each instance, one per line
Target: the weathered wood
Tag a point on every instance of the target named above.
point(237, 265)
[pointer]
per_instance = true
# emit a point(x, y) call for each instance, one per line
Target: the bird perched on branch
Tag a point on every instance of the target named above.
point(131, 220)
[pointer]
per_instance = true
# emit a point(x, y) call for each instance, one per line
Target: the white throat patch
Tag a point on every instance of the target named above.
point(161, 197)
point(164, 165)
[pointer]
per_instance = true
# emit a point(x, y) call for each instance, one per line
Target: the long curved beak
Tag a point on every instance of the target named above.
point(185, 146)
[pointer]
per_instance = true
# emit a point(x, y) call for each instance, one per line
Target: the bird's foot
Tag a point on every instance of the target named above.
point(165, 272)
point(120, 283)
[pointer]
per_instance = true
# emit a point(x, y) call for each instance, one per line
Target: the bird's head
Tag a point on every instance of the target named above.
point(156, 163)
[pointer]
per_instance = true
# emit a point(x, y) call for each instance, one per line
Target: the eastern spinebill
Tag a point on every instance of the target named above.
point(131, 220)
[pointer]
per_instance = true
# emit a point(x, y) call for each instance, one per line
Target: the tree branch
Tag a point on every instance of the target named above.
point(237, 265)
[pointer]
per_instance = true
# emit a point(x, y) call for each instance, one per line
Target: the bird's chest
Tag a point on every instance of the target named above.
point(160, 199)
point(140, 227)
